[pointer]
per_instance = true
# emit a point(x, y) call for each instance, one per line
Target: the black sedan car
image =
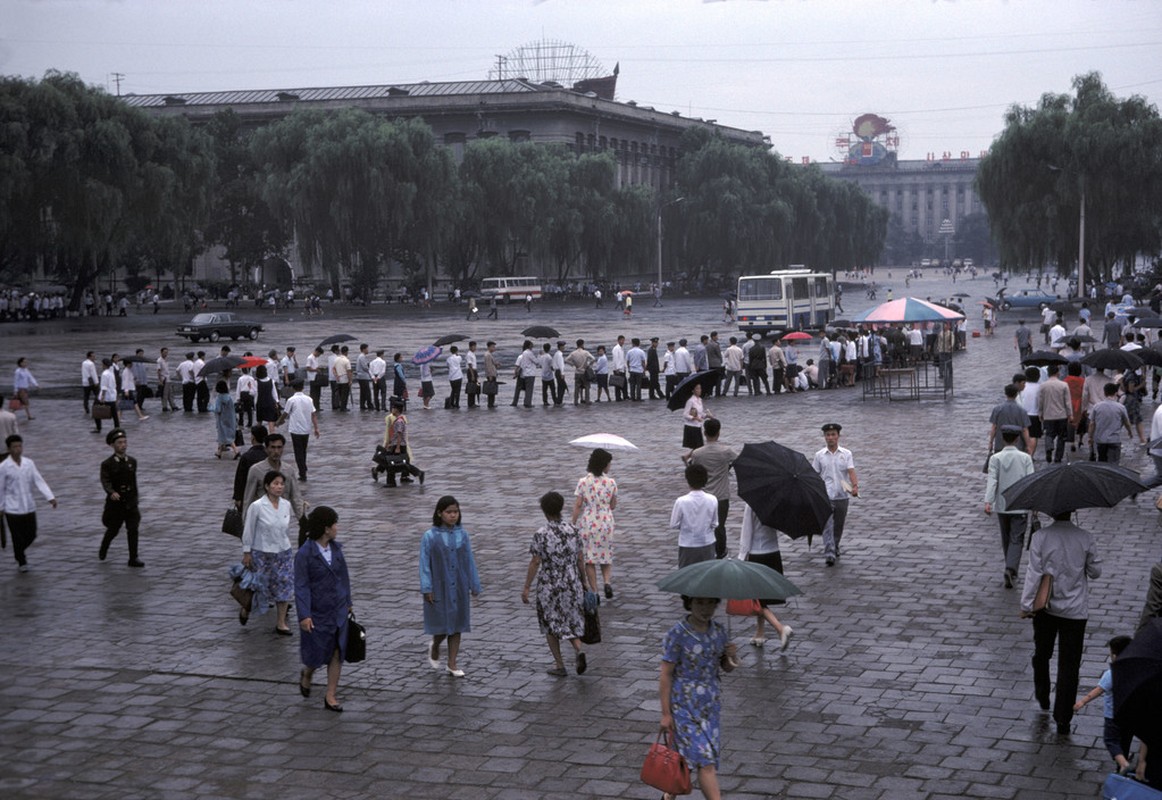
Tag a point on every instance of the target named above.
point(217, 324)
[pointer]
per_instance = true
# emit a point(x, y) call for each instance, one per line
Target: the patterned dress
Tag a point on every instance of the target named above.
point(597, 494)
point(694, 701)
point(559, 590)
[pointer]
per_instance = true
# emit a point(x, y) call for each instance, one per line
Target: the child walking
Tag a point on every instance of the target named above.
point(1116, 742)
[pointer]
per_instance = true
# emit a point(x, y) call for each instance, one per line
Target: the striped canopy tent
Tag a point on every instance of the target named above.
point(908, 309)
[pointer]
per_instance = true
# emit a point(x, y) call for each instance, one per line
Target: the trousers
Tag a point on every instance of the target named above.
point(833, 531)
point(1070, 635)
point(1012, 539)
point(23, 530)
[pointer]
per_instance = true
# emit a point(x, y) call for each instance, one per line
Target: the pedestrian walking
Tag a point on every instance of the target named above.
point(1005, 468)
point(18, 476)
point(322, 590)
point(447, 577)
point(837, 468)
point(760, 543)
point(596, 499)
point(694, 516)
point(301, 419)
point(266, 549)
point(119, 480)
point(23, 383)
point(557, 564)
point(226, 420)
point(716, 457)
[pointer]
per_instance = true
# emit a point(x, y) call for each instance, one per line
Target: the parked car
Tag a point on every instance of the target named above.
point(215, 325)
point(1026, 298)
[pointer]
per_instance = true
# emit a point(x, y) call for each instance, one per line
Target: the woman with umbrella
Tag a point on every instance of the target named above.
point(596, 499)
point(693, 415)
point(223, 408)
point(760, 543)
point(694, 651)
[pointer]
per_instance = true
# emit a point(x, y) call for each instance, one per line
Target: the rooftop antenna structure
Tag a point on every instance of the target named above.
point(548, 60)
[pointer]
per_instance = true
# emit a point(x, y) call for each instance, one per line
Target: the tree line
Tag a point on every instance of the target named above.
point(89, 185)
point(1050, 156)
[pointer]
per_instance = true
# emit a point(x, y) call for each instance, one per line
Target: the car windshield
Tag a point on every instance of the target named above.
point(202, 319)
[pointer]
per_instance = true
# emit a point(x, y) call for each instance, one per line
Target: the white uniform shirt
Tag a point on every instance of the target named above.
point(89, 374)
point(833, 467)
point(299, 410)
point(695, 515)
point(16, 482)
point(455, 372)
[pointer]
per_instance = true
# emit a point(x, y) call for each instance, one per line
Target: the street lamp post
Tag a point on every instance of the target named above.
point(661, 208)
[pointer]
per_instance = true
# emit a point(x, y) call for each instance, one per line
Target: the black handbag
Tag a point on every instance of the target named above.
point(491, 387)
point(592, 634)
point(232, 523)
point(102, 411)
point(356, 641)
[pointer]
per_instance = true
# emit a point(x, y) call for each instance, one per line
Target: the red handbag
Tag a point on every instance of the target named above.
point(665, 769)
point(744, 608)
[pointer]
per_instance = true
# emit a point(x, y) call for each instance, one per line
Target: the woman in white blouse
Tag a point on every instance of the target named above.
point(693, 415)
point(266, 549)
point(760, 543)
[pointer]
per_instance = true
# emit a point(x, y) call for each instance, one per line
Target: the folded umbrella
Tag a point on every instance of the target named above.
point(729, 579)
point(782, 488)
point(1068, 487)
point(685, 390)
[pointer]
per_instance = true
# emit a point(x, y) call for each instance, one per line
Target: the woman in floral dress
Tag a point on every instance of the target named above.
point(558, 567)
point(693, 652)
point(596, 498)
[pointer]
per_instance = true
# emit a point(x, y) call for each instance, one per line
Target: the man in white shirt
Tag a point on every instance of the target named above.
point(341, 367)
point(683, 361)
point(289, 367)
point(470, 372)
point(90, 379)
point(559, 384)
point(455, 377)
point(189, 389)
point(17, 477)
point(694, 516)
point(108, 394)
point(298, 412)
point(732, 359)
point(835, 465)
point(617, 364)
point(201, 389)
point(377, 373)
point(164, 384)
point(668, 369)
point(316, 376)
point(526, 370)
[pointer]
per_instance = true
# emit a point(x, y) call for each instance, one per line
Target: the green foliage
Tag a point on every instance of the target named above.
point(1048, 156)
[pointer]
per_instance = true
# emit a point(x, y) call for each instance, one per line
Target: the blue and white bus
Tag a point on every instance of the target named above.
point(514, 288)
point(785, 299)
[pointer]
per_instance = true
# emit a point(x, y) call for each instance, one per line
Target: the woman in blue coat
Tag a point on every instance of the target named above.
point(322, 601)
point(447, 576)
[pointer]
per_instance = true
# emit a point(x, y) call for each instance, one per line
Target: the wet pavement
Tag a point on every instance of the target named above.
point(908, 676)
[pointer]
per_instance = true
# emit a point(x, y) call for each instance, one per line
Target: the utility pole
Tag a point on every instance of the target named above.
point(117, 78)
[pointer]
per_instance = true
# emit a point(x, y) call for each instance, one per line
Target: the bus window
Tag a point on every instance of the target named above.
point(800, 289)
point(821, 289)
point(761, 289)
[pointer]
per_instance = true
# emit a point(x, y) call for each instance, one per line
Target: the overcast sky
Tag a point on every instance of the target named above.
point(799, 70)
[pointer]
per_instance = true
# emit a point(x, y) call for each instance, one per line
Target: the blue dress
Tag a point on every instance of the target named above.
point(694, 701)
point(323, 593)
point(448, 571)
point(227, 421)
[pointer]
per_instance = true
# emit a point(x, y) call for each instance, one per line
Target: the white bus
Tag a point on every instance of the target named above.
point(507, 289)
point(785, 299)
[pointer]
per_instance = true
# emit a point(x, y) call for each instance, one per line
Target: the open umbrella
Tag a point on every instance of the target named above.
point(338, 338)
point(606, 441)
point(908, 309)
point(224, 363)
point(1084, 338)
point(1043, 358)
point(796, 336)
point(540, 332)
point(962, 294)
point(1068, 487)
point(986, 303)
point(449, 339)
point(783, 488)
point(1112, 358)
point(1138, 683)
point(1141, 311)
point(842, 323)
point(137, 359)
point(472, 293)
point(426, 354)
point(727, 295)
point(1150, 357)
point(1147, 322)
point(1062, 306)
point(685, 390)
point(729, 579)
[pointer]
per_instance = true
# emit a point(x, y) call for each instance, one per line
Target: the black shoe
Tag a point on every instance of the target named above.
point(582, 665)
point(104, 551)
point(608, 592)
point(304, 689)
point(1063, 729)
point(283, 631)
point(302, 479)
point(1043, 702)
point(375, 474)
point(133, 562)
point(1008, 580)
point(422, 476)
point(338, 709)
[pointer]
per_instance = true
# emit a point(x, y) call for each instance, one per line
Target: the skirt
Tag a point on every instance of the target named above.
point(276, 577)
point(692, 436)
point(774, 561)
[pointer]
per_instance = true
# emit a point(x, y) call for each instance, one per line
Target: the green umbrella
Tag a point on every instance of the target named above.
point(729, 579)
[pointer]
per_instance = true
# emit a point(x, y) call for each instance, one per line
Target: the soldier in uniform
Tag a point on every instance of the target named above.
point(119, 480)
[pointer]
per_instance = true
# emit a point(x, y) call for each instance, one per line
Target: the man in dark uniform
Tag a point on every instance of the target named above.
point(654, 368)
point(119, 480)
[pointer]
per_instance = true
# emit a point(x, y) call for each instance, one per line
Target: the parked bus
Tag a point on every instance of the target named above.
point(785, 299)
point(507, 289)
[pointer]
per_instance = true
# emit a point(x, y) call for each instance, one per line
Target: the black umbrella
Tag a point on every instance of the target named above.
point(1147, 322)
point(1112, 358)
point(219, 364)
point(338, 338)
point(1084, 338)
point(783, 488)
point(1150, 357)
point(1068, 487)
point(685, 390)
point(1043, 358)
point(1138, 684)
point(137, 360)
point(727, 295)
point(962, 294)
point(1062, 306)
point(471, 293)
point(540, 332)
point(1141, 311)
point(449, 339)
point(842, 323)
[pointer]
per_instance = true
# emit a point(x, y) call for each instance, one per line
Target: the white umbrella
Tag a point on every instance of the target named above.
point(607, 441)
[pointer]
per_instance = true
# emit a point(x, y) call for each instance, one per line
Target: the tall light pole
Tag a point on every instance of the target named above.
point(660, 209)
